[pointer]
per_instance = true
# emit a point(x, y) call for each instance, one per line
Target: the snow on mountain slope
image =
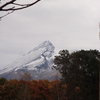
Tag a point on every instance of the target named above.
point(41, 57)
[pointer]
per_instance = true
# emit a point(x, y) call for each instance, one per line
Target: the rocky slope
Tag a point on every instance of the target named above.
point(38, 63)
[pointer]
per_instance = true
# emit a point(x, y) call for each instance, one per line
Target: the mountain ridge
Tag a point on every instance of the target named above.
point(37, 63)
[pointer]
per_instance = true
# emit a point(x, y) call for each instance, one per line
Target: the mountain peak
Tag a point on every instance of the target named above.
point(46, 45)
point(37, 60)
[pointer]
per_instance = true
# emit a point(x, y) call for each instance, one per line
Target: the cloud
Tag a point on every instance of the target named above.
point(68, 24)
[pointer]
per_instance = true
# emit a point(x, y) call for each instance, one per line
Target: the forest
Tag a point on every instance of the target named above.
point(80, 80)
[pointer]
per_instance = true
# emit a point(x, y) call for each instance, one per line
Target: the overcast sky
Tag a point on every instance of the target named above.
point(67, 24)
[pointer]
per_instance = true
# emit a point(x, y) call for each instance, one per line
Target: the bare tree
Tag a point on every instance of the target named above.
point(9, 6)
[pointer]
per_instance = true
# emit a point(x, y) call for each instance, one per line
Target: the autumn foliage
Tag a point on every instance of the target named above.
point(80, 80)
point(32, 90)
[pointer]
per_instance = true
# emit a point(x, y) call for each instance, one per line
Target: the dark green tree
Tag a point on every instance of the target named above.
point(80, 70)
point(2, 81)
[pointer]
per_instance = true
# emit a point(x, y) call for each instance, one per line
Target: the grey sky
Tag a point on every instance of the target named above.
point(68, 24)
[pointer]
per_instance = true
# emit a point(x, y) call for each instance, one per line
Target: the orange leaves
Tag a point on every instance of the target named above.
point(32, 90)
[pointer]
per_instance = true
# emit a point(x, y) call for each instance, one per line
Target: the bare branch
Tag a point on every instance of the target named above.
point(10, 2)
point(19, 4)
point(14, 6)
point(22, 6)
point(6, 14)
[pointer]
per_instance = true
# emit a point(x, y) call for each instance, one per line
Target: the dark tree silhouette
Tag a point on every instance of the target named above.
point(9, 6)
point(80, 71)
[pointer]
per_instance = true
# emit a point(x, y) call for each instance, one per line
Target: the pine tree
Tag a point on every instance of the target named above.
point(79, 69)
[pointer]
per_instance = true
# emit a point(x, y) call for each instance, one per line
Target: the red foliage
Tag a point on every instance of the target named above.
point(32, 90)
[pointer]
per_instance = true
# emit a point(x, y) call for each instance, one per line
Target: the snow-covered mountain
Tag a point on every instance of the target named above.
point(37, 62)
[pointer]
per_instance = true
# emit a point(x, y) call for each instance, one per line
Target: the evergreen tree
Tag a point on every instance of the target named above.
point(2, 81)
point(80, 70)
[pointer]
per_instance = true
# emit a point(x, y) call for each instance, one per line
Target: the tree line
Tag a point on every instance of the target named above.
point(31, 90)
point(80, 80)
